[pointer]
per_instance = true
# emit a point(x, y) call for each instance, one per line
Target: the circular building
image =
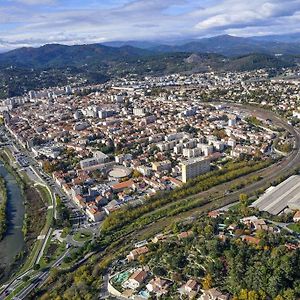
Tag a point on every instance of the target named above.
point(119, 172)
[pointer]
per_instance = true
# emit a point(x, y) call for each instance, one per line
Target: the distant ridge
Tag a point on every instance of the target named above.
point(223, 44)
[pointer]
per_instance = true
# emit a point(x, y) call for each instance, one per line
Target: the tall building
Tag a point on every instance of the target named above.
point(32, 95)
point(103, 114)
point(139, 111)
point(194, 167)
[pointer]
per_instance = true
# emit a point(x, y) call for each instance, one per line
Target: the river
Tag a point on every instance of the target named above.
point(13, 242)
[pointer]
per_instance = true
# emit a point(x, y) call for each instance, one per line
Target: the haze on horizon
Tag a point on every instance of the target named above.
point(38, 22)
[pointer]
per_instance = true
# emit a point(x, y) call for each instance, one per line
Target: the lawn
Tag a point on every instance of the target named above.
point(295, 227)
point(81, 236)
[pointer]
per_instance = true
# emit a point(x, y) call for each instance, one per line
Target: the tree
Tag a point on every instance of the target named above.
point(243, 199)
point(243, 294)
point(136, 174)
point(252, 295)
point(289, 294)
point(207, 282)
point(208, 230)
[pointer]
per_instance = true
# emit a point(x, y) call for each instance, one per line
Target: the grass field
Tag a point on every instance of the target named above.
point(295, 227)
point(81, 236)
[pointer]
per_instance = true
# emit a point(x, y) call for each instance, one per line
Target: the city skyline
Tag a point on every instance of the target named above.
point(34, 23)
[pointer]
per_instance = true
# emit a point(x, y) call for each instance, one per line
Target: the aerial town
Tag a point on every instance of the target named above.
point(149, 150)
point(162, 146)
point(129, 139)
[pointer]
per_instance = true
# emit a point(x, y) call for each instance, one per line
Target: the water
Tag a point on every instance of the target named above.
point(13, 242)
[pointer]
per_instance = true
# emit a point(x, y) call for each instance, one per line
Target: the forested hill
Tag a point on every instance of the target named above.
point(50, 65)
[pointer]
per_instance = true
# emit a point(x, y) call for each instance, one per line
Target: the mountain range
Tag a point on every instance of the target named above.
point(54, 55)
point(99, 62)
point(224, 44)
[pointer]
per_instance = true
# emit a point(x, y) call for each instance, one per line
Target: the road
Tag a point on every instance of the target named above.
point(40, 279)
point(38, 172)
point(44, 179)
point(284, 167)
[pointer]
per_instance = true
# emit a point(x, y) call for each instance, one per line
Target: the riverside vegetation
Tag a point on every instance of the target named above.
point(3, 208)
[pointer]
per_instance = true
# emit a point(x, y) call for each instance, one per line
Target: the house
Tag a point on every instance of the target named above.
point(158, 286)
point(232, 227)
point(119, 187)
point(296, 217)
point(175, 181)
point(190, 289)
point(248, 221)
point(291, 246)
point(215, 214)
point(250, 239)
point(135, 253)
point(94, 214)
point(135, 280)
point(213, 294)
point(185, 234)
point(159, 237)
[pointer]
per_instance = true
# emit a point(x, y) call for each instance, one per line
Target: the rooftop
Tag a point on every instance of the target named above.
point(284, 195)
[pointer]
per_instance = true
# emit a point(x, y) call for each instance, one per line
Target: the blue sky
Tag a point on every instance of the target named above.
point(37, 22)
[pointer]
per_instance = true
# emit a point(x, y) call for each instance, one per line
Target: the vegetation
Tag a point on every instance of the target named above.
point(260, 272)
point(286, 147)
point(82, 236)
point(295, 227)
point(254, 121)
point(57, 65)
point(3, 208)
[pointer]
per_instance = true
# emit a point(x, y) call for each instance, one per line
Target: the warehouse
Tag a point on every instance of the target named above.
point(277, 199)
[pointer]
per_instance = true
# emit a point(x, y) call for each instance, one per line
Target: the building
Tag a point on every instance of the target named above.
point(98, 158)
point(190, 289)
point(94, 214)
point(194, 167)
point(285, 195)
point(231, 120)
point(135, 280)
point(162, 166)
point(135, 253)
point(103, 114)
point(158, 286)
point(140, 112)
point(296, 217)
point(213, 294)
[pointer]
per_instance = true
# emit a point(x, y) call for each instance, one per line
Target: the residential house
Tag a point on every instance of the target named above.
point(158, 286)
point(135, 280)
point(213, 294)
point(135, 253)
point(296, 217)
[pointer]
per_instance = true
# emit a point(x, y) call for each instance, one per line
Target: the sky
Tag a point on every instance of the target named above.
point(38, 22)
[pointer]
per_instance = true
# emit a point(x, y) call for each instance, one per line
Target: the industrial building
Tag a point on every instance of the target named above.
point(285, 195)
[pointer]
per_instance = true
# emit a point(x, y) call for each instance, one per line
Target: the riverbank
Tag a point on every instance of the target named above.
point(12, 243)
point(34, 214)
point(3, 208)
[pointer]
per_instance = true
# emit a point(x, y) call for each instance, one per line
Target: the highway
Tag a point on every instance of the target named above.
point(40, 279)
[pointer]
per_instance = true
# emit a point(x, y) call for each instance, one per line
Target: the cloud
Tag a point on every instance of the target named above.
point(88, 21)
point(36, 2)
point(235, 13)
